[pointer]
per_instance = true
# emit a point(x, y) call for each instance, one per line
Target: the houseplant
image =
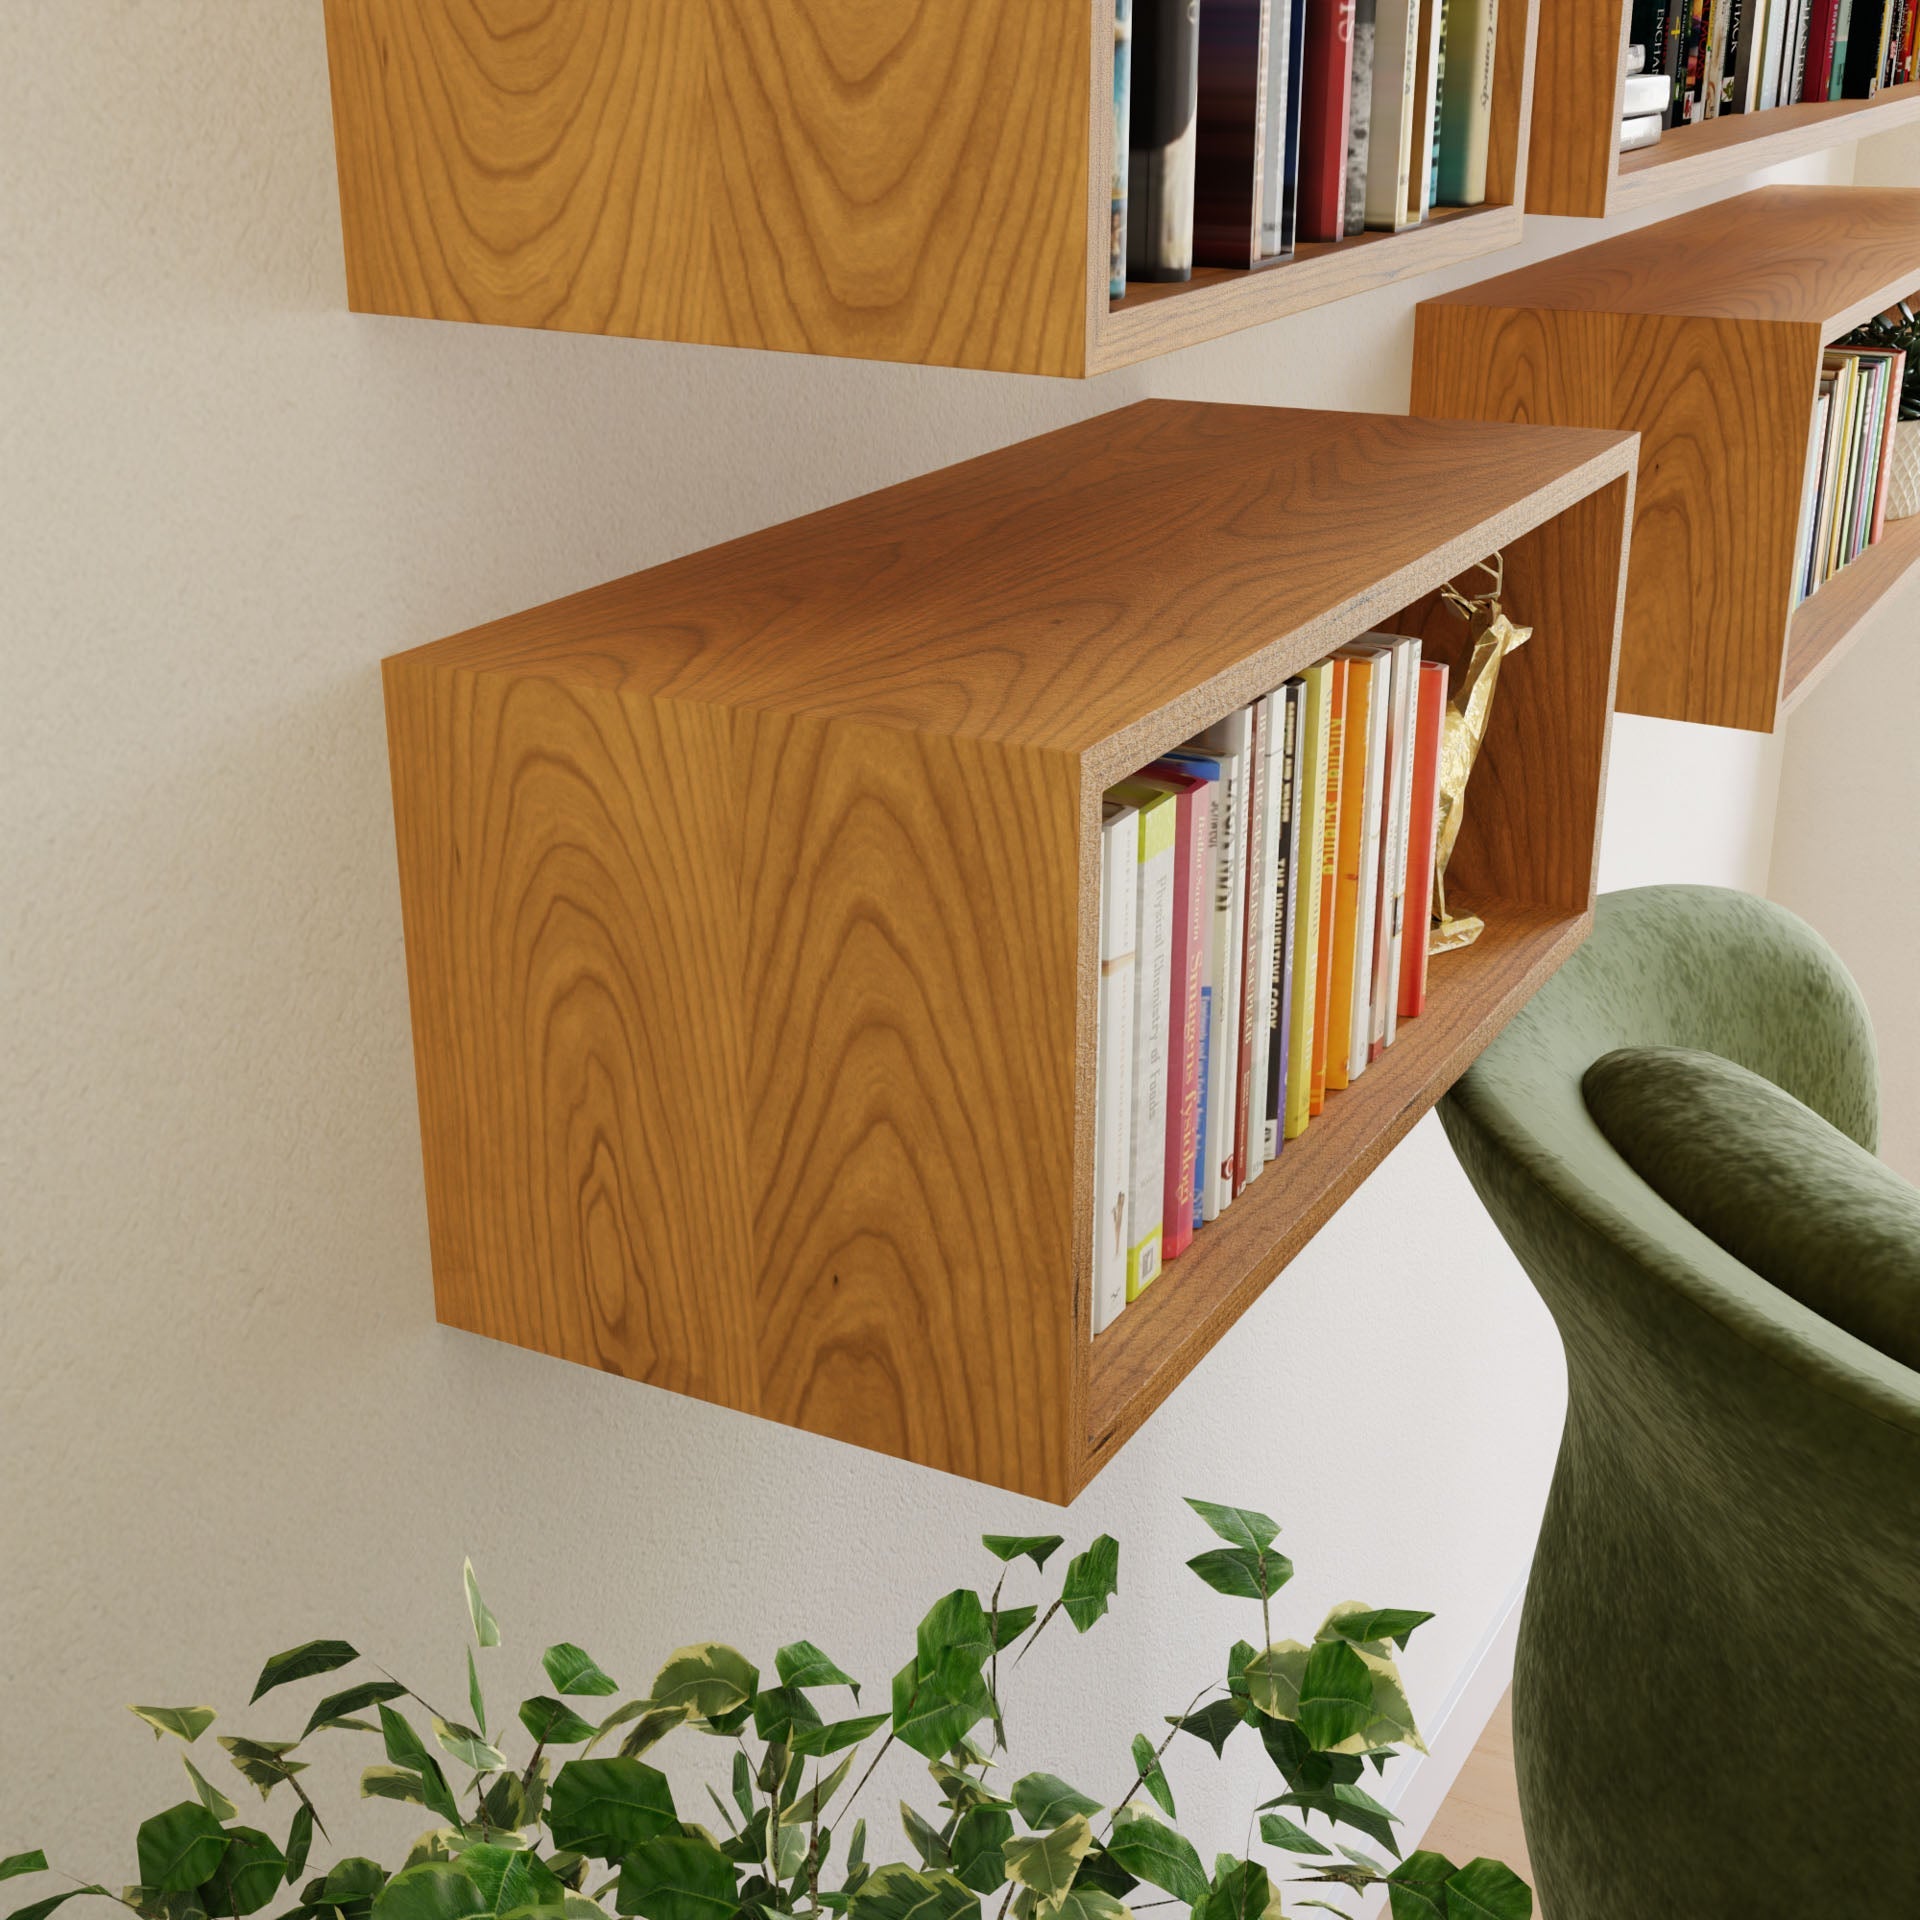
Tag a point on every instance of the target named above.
point(582, 1821)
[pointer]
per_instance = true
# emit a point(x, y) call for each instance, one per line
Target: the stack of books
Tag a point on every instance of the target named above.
point(1249, 123)
point(1747, 56)
point(1843, 502)
point(1263, 931)
point(1644, 101)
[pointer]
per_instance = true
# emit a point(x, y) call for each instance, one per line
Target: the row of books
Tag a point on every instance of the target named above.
point(1263, 930)
point(1243, 125)
point(1843, 502)
point(1746, 56)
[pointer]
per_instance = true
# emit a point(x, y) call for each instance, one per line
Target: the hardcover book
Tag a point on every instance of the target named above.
point(1328, 63)
point(1113, 1072)
point(1390, 136)
point(1265, 879)
point(1230, 145)
point(1286, 840)
point(1160, 132)
point(1122, 100)
point(1390, 918)
point(1329, 864)
point(1423, 821)
point(1315, 739)
point(1247, 926)
point(1466, 101)
point(1359, 117)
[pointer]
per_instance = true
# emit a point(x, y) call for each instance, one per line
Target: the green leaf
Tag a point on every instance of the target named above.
point(405, 1748)
point(351, 1881)
point(806, 1809)
point(529, 1882)
point(1273, 1679)
point(1044, 1800)
point(1009, 1623)
point(302, 1662)
point(933, 1718)
point(209, 1796)
point(1417, 1887)
point(780, 1712)
point(1278, 1831)
point(706, 1681)
point(392, 1783)
point(188, 1722)
point(15, 1864)
point(1150, 1851)
point(953, 1643)
point(486, 1629)
point(1084, 1902)
point(819, 1741)
point(1241, 1891)
point(1047, 1862)
point(475, 1698)
point(677, 1877)
point(1212, 1723)
point(1351, 1805)
point(264, 1763)
point(40, 1909)
point(1038, 1547)
point(1153, 1776)
point(1390, 1717)
point(649, 1729)
point(469, 1748)
point(1238, 1526)
point(1287, 1747)
point(1234, 1571)
point(1336, 1694)
point(249, 1874)
point(1368, 1624)
point(1486, 1890)
point(573, 1670)
point(979, 1839)
point(925, 1838)
point(553, 1723)
point(299, 1842)
point(179, 1848)
point(906, 1893)
point(803, 1665)
point(434, 1890)
point(1093, 1578)
point(604, 1808)
point(337, 1709)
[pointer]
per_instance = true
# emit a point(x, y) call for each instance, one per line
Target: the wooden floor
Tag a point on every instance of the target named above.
point(1482, 1813)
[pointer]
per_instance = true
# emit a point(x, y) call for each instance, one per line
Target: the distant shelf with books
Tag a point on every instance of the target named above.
point(753, 905)
point(1779, 96)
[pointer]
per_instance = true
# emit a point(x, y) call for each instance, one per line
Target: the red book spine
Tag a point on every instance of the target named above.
point(1897, 376)
point(1250, 938)
point(1423, 818)
point(1826, 15)
point(1191, 905)
point(1326, 78)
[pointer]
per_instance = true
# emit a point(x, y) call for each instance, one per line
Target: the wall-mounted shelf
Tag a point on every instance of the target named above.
point(751, 906)
point(814, 176)
point(1574, 166)
point(1704, 334)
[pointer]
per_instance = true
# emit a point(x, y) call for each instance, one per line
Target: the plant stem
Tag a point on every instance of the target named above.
point(526, 1779)
point(1140, 1778)
point(874, 1762)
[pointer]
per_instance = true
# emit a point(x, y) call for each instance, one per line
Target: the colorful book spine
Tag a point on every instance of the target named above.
point(1327, 62)
point(1373, 795)
point(1396, 62)
point(1280, 198)
point(1423, 821)
point(1352, 958)
point(1359, 114)
point(1113, 1073)
point(1823, 17)
point(1291, 736)
point(1122, 102)
point(1160, 130)
point(1273, 709)
point(1329, 865)
point(1253, 860)
point(1430, 48)
point(1466, 101)
point(1391, 937)
point(1316, 714)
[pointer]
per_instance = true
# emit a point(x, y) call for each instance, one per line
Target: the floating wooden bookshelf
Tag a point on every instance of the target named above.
point(929, 183)
point(1574, 163)
point(1704, 334)
point(752, 906)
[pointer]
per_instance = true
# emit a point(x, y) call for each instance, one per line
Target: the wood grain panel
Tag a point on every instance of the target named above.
point(1578, 86)
point(912, 930)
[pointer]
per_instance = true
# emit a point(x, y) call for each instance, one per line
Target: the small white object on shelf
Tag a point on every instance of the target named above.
point(1646, 93)
point(1642, 131)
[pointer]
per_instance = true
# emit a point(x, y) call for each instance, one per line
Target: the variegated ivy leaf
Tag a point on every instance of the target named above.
point(1037, 1547)
point(802, 1664)
point(706, 1682)
point(1278, 1831)
point(475, 1698)
point(954, 1642)
point(553, 1723)
point(1390, 1723)
point(1238, 1526)
point(1044, 1800)
point(486, 1629)
point(837, 1735)
point(188, 1722)
point(434, 1890)
point(575, 1671)
point(925, 1837)
point(262, 1762)
point(1370, 1626)
point(302, 1663)
point(978, 1848)
point(1488, 1890)
point(1241, 1891)
point(807, 1808)
point(1150, 1851)
point(1093, 1578)
point(908, 1893)
point(1273, 1679)
point(469, 1748)
point(1152, 1775)
point(1080, 1903)
point(676, 1877)
point(180, 1848)
point(1045, 1863)
point(392, 1783)
point(932, 1714)
point(1336, 1695)
point(210, 1796)
point(338, 1709)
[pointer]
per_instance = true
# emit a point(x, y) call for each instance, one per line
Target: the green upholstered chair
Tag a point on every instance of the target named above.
point(1717, 1696)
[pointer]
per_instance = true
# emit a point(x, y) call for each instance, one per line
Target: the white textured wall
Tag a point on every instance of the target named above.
point(227, 1419)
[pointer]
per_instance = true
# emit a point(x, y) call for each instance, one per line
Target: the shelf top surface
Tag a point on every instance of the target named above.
point(1064, 589)
point(1819, 255)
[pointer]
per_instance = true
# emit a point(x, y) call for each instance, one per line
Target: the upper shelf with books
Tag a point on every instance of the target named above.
point(1706, 334)
point(808, 176)
point(1773, 106)
point(752, 906)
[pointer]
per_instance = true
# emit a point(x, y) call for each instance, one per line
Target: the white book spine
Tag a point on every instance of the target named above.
point(1373, 797)
point(1643, 132)
point(1646, 93)
point(1390, 832)
point(1396, 44)
point(1273, 711)
point(1406, 709)
point(1425, 109)
point(1152, 1011)
point(1113, 1073)
point(1311, 806)
point(1220, 1025)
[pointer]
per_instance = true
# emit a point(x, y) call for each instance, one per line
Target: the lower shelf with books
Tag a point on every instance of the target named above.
point(1827, 620)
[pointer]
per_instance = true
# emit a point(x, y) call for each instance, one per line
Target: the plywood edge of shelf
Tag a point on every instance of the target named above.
point(1162, 1336)
point(1734, 144)
point(1825, 623)
point(1154, 319)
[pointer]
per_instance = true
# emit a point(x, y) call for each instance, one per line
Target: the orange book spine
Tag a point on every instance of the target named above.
point(1329, 869)
point(1350, 855)
point(1423, 822)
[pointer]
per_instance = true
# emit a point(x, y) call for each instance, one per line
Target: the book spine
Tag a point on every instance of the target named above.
point(1286, 871)
point(1281, 221)
point(1896, 381)
point(1166, 80)
point(1429, 44)
point(1229, 148)
point(1373, 794)
point(1842, 43)
point(1796, 89)
point(1328, 62)
point(1113, 1072)
point(1355, 738)
point(1153, 969)
point(1312, 807)
point(1183, 1015)
point(1247, 932)
point(1273, 714)
point(1122, 144)
point(1329, 866)
point(1466, 106)
point(1423, 824)
point(1779, 13)
point(1223, 1024)
point(1822, 20)
point(1393, 886)
point(1360, 113)
point(1396, 59)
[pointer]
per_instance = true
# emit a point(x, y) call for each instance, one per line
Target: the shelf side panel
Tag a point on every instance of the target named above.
point(1576, 118)
point(911, 906)
point(573, 961)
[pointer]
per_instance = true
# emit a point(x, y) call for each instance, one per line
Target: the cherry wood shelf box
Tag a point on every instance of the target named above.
point(1574, 162)
point(752, 920)
point(1704, 334)
point(927, 183)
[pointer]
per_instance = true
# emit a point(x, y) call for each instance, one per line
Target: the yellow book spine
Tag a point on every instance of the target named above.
point(1346, 893)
